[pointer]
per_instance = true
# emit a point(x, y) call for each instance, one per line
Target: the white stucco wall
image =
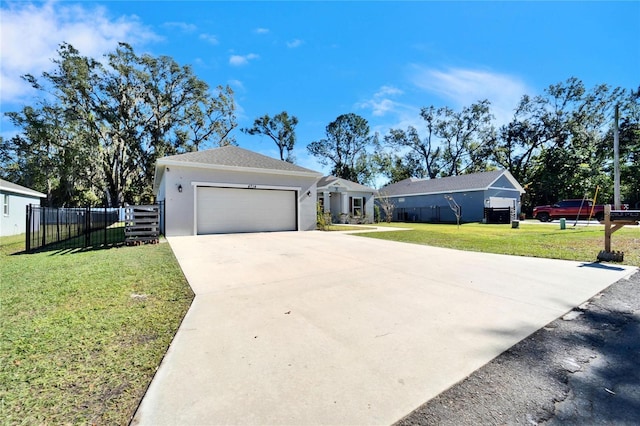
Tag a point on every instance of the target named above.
point(15, 222)
point(179, 206)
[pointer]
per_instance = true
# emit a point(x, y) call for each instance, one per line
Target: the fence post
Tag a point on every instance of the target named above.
point(27, 244)
point(43, 225)
point(104, 219)
point(87, 226)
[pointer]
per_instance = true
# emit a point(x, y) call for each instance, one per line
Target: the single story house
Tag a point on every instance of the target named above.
point(346, 201)
point(231, 189)
point(15, 199)
point(434, 200)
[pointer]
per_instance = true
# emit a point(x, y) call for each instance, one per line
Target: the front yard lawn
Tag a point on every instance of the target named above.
point(581, 243)
point(83, 331)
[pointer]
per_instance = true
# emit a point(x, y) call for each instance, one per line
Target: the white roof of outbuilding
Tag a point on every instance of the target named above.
point(19, 189)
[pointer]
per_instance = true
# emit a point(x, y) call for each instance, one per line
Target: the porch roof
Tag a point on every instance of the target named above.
point(327, 182)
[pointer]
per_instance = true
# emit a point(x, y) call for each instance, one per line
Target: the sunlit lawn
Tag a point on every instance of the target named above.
point(83, 331)
point(530, 239)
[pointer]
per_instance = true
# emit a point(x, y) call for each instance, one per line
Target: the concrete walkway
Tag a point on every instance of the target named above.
point(313, 328)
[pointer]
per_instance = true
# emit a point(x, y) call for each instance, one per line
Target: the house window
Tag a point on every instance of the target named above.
point(5, 205)
point(356, 206)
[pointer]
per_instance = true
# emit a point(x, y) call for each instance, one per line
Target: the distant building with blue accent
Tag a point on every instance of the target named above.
point(476, 194)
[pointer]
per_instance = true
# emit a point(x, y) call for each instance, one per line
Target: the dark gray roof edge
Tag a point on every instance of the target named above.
point(237, 157)
point(231, 158)
point(411, 186)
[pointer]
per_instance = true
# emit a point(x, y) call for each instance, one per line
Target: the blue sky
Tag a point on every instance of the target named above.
point(317, 60)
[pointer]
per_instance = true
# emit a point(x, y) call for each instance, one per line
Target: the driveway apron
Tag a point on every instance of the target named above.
point(324, 328)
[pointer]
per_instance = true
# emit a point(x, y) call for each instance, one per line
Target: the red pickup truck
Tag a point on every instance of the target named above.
point(569, 209)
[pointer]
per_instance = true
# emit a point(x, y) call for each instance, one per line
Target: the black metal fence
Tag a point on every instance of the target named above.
point(499, 214)
point(73, 227)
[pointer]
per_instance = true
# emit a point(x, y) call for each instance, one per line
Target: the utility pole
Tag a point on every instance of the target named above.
point(616, 163)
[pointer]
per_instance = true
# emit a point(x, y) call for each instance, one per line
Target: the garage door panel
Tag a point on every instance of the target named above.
point(229, 210)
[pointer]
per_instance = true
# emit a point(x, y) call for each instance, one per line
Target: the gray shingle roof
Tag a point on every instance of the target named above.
point(19, 189)
point(233, 156)
point(350, 185)
point(470, 182)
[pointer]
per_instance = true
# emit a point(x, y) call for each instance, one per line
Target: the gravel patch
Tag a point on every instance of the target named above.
point(581, 369)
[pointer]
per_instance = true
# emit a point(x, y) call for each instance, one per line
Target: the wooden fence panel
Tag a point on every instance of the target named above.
point(142, 224)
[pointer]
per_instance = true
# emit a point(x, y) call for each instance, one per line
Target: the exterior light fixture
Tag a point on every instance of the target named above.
point(308, 193)
point(179, 187)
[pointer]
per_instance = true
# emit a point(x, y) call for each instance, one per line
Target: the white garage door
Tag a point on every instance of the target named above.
point(229, 210)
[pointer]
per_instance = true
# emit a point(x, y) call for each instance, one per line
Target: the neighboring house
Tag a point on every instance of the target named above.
point(15, 199)
point(231, 189)
point(346, 201)
point(425, 200)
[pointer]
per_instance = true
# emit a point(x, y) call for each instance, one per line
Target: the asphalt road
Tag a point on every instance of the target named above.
point(582, 369)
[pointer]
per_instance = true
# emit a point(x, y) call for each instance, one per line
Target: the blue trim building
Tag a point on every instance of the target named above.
point(431, 200)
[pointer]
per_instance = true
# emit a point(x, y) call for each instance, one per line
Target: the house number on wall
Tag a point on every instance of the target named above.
point(251, 186)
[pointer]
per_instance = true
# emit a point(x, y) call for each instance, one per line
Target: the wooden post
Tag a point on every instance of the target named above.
point(621, 218)
point(607, 228)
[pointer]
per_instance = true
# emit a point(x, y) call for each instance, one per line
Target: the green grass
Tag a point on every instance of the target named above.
point(83, 331)
point(112, 235)
point(581, 243)
point(346, 228)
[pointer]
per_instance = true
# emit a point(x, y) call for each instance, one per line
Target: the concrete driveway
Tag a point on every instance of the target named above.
point(322, 328)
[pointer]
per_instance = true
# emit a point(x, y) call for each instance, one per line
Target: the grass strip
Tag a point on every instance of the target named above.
point(347, 228)
point(581, 243)
point(82, 332)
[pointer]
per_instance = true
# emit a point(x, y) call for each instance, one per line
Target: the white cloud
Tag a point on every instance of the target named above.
point(381, 107)
point(239, 60)
point(294, 43)
point(209, 38)
point(32, 33)
point(261, 31)
point(466, 86)
point(388, 91)
point(182, 26)
point(380, 103)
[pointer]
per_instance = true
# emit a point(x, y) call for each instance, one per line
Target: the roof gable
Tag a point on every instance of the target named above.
point(329, 181)
point(230, 158)
point(461, 183)
point(7, 186)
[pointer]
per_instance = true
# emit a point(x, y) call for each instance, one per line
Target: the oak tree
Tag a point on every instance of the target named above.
point(99, 127)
